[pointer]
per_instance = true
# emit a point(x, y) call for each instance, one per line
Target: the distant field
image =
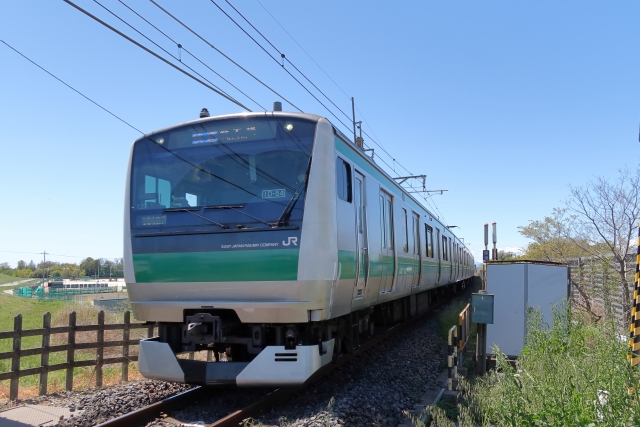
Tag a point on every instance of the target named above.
point(4, 278)
point(32, 311)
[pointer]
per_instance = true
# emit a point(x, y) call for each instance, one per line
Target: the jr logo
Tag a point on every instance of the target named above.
point(290, 240)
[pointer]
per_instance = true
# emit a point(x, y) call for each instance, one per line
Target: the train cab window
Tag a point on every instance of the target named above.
point(157, 191)
point(405, 231)
point(343, 180)
point(428, 232)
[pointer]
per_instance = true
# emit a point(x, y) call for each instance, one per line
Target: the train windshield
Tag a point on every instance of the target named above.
point(234, 173)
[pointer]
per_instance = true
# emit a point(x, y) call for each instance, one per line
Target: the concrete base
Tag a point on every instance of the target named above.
point(34, 415)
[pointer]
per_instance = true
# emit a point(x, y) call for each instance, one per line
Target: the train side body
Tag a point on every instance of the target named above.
point(356, 242)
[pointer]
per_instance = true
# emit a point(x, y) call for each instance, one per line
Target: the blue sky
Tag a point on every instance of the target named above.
point(504, 104)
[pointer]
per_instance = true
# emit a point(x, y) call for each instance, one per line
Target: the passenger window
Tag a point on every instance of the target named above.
point(343, 180)
point(389, 216)
point(429, 240)
point(383, 229)
point(416, 234)
point(386, 220)
point(444, 248)
point(405, 231)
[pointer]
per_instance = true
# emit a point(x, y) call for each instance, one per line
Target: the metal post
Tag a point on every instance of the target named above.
point(481, 337)
point(495, 239)
point(634, 339)
point(353, 112)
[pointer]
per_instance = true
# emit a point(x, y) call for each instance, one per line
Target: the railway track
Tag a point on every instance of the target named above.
point(266, 402)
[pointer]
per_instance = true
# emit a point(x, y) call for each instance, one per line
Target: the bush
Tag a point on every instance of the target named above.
point(573, 373)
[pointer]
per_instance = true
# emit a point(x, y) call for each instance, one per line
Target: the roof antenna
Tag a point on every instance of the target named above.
point(204, 113)
point(277, 106)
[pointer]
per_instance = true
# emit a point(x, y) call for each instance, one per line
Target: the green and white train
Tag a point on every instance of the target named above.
point(274, 240)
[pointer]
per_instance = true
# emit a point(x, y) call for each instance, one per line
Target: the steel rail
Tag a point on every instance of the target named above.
point(149, 413)
point(155, 410)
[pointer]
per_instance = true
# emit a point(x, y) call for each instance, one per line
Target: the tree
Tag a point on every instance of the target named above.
point(506, 255)
point(607, 214)
point(90, 266)
point(553, 241)
point(21, 265)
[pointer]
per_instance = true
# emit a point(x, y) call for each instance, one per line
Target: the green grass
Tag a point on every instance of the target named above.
point(32, 311)
point(572, 374)
point(5, 278)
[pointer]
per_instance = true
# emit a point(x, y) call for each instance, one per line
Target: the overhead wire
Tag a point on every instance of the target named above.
point(223, 54)
point(180, 46)
point(334, 82)
point(161, 48)
point(70, 87)
point(272, 57)
point(296, 42)
point(282, 55)
point(146, 49)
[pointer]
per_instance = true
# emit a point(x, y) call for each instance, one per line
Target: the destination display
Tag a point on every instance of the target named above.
point(219, 133)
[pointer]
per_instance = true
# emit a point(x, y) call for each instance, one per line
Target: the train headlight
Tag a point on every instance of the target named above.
point(288, 127)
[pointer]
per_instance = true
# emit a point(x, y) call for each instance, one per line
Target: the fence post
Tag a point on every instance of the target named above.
point(100, 349)
point(125, 347)
point(15, 359)
point(44, 358)
point(71, 340)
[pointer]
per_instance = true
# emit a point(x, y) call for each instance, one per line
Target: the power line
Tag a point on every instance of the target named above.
point(75, 90)
point(154, 54)
point(161, 48)
point(334, 82)
point(283, 57)
point(292, 38)
point(180, 46)
point(223, 54)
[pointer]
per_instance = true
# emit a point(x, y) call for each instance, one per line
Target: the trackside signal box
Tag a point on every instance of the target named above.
point(519, 286)
point(482, 308)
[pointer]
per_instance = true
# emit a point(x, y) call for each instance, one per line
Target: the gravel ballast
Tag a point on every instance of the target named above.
point(371, 390)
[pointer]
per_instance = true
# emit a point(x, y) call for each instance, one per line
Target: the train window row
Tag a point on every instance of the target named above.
point(450, 251)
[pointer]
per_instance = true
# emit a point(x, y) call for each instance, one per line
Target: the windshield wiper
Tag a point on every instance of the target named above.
point(284, 217)
point(235, 208)
point(199, 216)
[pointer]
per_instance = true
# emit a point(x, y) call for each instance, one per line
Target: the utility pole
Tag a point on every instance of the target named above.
point(44, 266)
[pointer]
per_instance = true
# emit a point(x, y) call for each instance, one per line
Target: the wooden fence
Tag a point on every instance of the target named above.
point(70, 347)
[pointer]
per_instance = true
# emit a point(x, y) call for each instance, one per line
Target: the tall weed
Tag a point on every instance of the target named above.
point(573, 373)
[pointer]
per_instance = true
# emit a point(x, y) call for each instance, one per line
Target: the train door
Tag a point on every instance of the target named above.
point(439, 255)
point(387, 258)
point(362, 268)
point(417, 264)
point(450, 253)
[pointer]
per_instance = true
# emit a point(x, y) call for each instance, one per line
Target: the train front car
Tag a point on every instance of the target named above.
point(215, 243)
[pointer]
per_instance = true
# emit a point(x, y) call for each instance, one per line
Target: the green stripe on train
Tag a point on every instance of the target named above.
point(231, 266)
